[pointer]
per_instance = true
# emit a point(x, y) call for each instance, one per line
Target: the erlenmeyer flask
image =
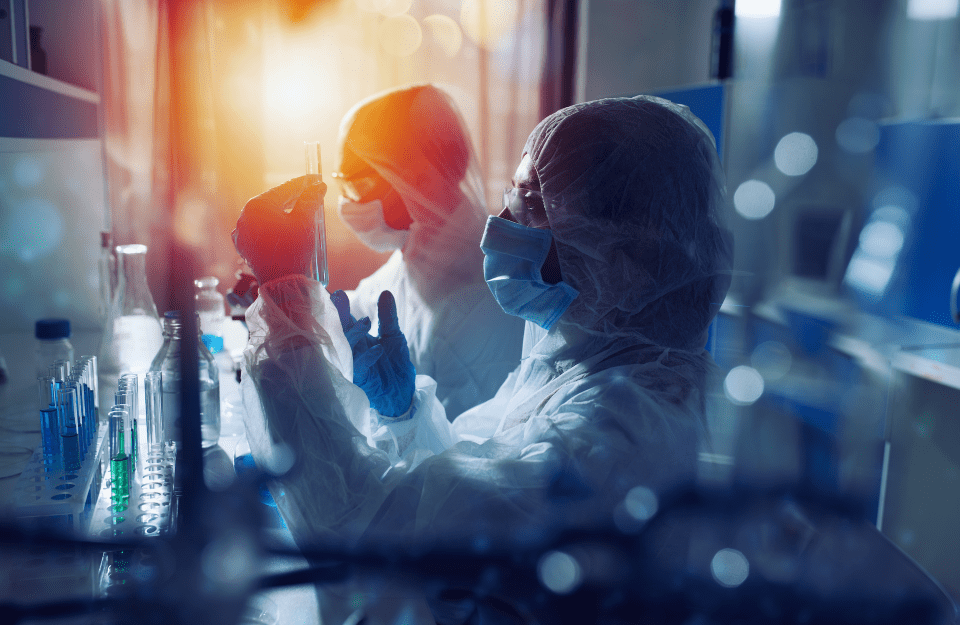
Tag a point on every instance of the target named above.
point(133, 333)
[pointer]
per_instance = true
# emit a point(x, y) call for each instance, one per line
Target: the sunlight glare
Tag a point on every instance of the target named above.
point(400, 36)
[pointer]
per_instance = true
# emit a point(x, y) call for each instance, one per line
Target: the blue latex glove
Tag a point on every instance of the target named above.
point(383, 370)
point(357, 332)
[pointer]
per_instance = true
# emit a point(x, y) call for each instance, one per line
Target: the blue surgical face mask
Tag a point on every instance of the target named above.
point(513, 257)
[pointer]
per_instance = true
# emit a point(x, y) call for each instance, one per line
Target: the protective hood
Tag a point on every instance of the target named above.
point(633, 190)
point(415, 138)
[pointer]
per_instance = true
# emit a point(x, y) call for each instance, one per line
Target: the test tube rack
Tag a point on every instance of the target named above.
point(150, 505)
point(50, 497)
point(149, 510)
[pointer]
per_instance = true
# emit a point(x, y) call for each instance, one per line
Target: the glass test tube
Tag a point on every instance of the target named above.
point(69, 437)
point(88, 381)
point(153, 409)
point(320, 271)
point(131, 384)
point(49, 421)
point(64, 368)
point(94, 381)
point(119, 460)
point(83, 438)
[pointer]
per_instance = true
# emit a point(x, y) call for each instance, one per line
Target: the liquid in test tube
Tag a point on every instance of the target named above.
point(319, 266)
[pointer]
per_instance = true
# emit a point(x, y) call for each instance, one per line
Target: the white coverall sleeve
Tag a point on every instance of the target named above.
point(585, 447)
point(306, 421)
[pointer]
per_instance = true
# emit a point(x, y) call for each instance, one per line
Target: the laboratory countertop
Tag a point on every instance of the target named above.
point(20, 436)
point(901, 344)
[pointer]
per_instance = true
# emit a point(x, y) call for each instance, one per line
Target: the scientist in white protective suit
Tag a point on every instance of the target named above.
point(410, 184)
point(610, 247)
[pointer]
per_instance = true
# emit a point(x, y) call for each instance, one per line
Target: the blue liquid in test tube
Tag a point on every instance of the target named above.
point(69, 437)
point(49, 421)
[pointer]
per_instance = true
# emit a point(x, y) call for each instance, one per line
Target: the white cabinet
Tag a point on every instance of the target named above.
point(52, 181)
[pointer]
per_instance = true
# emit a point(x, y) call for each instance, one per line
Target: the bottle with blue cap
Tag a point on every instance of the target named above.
point(53, 343)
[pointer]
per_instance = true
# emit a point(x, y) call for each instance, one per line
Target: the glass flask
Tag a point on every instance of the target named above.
point(132, 333)
point(167, 362)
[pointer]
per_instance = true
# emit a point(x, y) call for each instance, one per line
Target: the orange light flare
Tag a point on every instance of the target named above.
point(294, 85)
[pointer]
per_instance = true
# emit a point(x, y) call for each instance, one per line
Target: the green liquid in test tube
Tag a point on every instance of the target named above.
point(319, 265)
point(119, 462)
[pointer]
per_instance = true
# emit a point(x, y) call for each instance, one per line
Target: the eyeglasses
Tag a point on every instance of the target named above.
point(357, 187)
point(526, 206)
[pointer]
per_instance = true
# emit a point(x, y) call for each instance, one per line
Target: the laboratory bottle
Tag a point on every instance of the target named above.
point(230, 399)
point(53, 343)
point(133, 333)
point(211, 306)
point(167, 362)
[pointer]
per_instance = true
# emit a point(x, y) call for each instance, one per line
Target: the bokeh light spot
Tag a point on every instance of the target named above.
point(27, 172)
point(743, 385)
point(754, 199)
point(559, 572)
point(896, 196)
point(893, 214)
point(394, 8)
point(191, 215)
point(881, 239)
point(487, 22)
point(641, 503)
point(772, 359)
point(371, 6)
point(858, 135)
point(400, 36)
point(795, 154)
point(730, 568)
point(32, 230)
point(869, 274)
point(445, 32)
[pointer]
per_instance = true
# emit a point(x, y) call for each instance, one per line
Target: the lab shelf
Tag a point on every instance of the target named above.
point(939, 364)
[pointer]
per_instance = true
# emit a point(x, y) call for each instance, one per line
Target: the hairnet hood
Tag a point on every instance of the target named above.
point(633, 190)
point(416, 139)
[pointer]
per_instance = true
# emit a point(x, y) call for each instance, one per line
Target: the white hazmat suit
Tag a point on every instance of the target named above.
point(611, 398)
point(415, 139)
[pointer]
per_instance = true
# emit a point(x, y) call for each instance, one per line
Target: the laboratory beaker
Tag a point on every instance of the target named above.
point(133, 333)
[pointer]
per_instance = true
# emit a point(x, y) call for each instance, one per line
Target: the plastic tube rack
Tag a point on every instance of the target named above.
point(55, 499)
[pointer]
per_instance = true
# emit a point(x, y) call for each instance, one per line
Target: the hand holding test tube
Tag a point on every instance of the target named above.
point(277, 231)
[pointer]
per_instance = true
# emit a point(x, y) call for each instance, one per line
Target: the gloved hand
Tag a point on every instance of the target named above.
point(384, 370)
point(357, 332)
point(275, 230)
point(244, 292)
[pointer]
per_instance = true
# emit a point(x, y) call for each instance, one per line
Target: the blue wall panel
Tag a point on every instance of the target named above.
point(706, 102)
point(924, 158)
